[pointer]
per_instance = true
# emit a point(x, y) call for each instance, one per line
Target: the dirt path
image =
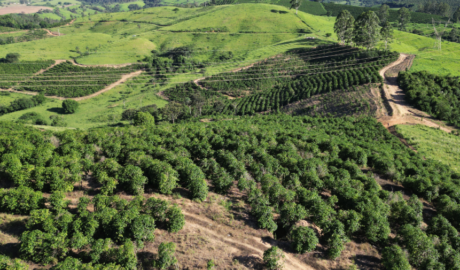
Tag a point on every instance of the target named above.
point(403, 112)
point(56, 62)
point(258, 246)
point(51, 33)
point(71, 22)
point(197, 82)
point(123, 79)
point(106, 65)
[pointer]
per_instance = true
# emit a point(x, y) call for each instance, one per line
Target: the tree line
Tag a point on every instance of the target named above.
point(29, 21)
point(369, 27)
point(434, 94)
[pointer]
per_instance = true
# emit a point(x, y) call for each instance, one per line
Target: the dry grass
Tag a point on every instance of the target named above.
point(361, 100)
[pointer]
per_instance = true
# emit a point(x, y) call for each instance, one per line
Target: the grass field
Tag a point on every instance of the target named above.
point(129, 36)
point(124, 6)
point(433, 143)
point(310, 7)
point(446, 61)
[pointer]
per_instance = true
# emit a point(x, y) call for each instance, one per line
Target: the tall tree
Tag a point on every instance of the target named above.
point(384, 13)
point(343, 26)
point(387, 33)
point(367, 32)
point(456, 15)
point(453, 35)
point(295, 4)
point(172, 110)
point(404, 18)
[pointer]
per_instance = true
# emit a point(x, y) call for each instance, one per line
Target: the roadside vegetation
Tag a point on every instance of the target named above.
point(433, 143)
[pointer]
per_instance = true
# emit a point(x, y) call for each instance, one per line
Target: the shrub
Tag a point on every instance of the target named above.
point(144, 119)
point(176, 220)
point(304, 239)
point(166, 256)
point(70, 106)
point(393, 259)
point(274, 258)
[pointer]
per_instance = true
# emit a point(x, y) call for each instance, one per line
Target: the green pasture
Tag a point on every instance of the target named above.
point(433, 143)
point(124, 6)
point(446, 61)
point(6, 98)
point(245, 18)
point(52, 16)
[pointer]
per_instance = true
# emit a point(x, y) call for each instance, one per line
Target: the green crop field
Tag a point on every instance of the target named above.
point(433, 143)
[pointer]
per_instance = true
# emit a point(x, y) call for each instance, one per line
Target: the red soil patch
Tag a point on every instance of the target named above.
point(21, 9)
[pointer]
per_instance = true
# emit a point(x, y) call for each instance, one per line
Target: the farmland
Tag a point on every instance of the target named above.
point(238, 136)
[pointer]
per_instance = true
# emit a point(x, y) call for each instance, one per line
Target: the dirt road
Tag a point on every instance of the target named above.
point(403, 112)
point(123, 79)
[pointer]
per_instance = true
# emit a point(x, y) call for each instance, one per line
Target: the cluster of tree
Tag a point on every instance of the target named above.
point(393, 14)
point(369, 28)
point(22, 104)
point(32, 118)
point(435, 7)
point(29, 36)
point(177, 60)
point(69, 80)
point(434, 94)
point(453, 35)
point(284, 165)
point(29, 21)
point(52, 232)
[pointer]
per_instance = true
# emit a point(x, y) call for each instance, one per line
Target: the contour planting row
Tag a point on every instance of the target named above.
point(284, 165)
point(13, 73)
point(69, 80)
point(263, 88)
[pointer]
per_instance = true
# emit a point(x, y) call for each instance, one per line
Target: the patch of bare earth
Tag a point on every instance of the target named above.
point(22, 9)
point(402, 111)
point(363, 100)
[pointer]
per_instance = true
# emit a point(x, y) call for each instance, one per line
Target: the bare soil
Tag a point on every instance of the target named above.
point(402, 111)
point(21, 9)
